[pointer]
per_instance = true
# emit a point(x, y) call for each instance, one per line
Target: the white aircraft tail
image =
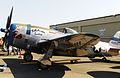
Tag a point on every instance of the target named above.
point(115, 41)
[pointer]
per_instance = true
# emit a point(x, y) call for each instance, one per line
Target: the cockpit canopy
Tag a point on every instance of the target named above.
point(70, 31)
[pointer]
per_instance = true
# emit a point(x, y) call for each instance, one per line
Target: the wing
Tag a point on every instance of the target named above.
point(81, 40)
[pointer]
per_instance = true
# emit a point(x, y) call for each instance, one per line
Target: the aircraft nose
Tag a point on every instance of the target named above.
point(11, 33)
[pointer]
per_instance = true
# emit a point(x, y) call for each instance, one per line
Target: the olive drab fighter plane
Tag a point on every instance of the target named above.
point(45, 41)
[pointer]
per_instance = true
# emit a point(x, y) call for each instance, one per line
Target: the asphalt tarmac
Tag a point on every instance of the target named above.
point(84, 68)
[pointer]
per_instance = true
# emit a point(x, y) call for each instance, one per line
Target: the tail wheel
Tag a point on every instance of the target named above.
point(104, 59)
point(28, 57)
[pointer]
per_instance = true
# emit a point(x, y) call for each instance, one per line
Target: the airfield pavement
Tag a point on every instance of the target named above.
point(85, 68)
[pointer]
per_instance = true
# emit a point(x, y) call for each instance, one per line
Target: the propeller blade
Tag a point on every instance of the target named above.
point(5, 38)
point(9, 19)
point(7, 25)
point(4, 42)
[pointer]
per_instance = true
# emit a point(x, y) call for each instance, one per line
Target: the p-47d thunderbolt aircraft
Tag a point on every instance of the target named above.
point(42, 40)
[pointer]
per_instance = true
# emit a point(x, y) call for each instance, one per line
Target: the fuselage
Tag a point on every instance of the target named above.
point(38, 39)
point(33, 38)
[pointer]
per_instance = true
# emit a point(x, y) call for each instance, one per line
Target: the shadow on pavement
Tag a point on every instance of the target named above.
point(115, 67)
point(20, 70)
point(107, 61)
point(74, 63)
point(104, 74)
point(92, 61)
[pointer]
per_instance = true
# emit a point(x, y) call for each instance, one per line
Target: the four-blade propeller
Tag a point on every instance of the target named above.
point(6, 31)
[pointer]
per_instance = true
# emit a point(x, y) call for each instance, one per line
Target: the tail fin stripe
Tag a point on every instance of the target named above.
point(116, 39)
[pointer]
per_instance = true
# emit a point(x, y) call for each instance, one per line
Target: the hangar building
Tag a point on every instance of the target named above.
point(105, 26)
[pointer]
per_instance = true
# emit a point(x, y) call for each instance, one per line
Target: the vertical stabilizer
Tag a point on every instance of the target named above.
point(115, 41)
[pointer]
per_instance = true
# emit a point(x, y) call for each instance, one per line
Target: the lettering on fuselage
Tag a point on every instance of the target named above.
point(28, 29)
point(37, 32)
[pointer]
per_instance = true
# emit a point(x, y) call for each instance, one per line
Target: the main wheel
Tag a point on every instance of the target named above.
point(28, 57)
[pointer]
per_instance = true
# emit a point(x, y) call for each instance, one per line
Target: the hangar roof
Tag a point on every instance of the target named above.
point(92, 21)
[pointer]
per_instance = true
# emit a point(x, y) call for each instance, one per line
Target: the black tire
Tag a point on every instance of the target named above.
point(76, 61)
point(71, 61)
point(28, 57)
point(104, 59)
point(91, 56)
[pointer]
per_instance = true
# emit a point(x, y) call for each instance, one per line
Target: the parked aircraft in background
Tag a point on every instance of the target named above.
point(113, 45)
point(47, 41)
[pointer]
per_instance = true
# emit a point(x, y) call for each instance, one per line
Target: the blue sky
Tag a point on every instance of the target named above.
point(51, 12)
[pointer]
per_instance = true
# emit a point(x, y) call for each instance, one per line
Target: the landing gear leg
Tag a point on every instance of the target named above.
point(44, 64)
point(45, 61)
point(104, 58)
